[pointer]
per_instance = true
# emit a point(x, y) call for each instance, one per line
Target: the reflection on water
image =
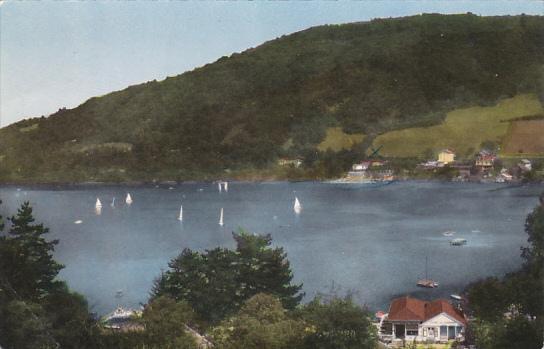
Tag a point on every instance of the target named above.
point(368, 240)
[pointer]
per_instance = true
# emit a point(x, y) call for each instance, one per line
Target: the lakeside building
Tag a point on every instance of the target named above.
point(290, 162)
point(484, 161)
point(525, 165)
point(446, 156)
point(412, 319)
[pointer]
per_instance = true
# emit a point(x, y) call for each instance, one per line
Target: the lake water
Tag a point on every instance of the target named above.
point(366, 239)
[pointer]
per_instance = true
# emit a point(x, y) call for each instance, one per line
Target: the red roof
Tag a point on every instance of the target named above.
point(412, 309)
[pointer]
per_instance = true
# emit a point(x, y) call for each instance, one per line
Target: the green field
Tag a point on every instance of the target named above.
point(463, 129)
point(336, 140)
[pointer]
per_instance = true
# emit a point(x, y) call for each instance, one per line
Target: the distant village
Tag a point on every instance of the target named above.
point(486, 166)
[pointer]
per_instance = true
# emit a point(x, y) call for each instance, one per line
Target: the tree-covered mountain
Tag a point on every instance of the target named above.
point(244, 111)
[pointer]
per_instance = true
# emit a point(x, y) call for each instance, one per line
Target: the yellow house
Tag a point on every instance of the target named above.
point(446, 156)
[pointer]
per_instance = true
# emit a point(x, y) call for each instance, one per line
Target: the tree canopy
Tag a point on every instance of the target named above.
point(217, 282)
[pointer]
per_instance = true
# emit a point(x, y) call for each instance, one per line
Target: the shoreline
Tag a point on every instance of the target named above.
point(336, 181)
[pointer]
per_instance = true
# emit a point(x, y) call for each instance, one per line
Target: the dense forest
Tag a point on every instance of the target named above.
point(243, 112)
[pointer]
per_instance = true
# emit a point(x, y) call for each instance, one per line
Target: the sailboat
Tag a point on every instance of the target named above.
point(221, 218)
point(226, 186)
point(113, 202)
point(219, 186)
point(427, 283)
point(98, 207)
point(180, 217)
point(297, 207)
point(128, 200)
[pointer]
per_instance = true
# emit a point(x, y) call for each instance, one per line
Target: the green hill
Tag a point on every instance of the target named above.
point(242, 112)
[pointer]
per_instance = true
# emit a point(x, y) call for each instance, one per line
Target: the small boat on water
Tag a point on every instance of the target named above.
point(219, 186)
point(448, 233)
point(427, 283)
point(297, 207)
point(180, 217)
point(79, 221)
point(458, 242)
point(128, 200)
point(113, 202)
point(98, 203)
point(226, 186)
point(221, 217)
point(456, 297)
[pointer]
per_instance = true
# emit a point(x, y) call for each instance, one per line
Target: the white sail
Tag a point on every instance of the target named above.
point(219, 186)
point(98, 203)
point(180, 217)
point(226, 186)
point(113, 202)
point(128, 200)
point(297, 206)
point(221, 217)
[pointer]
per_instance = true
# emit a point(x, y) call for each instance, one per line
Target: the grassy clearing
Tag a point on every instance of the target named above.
point(524, 137)
point(463, 129)
point(337, 140)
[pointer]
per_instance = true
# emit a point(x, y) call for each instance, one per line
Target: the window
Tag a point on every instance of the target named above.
point(443, 331)
point(451, 332)
point(411, 332)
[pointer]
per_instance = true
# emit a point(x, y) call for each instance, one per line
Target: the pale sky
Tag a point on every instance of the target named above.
point(57, 54)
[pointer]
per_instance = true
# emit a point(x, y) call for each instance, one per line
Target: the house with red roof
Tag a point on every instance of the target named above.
point(423, 321)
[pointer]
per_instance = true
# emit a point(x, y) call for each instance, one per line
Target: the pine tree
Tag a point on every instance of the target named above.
point(26, 261)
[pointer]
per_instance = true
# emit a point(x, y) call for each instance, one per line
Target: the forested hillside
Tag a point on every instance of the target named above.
point(243, 112)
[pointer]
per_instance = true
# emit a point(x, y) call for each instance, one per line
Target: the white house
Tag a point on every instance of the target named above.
point(413, 319)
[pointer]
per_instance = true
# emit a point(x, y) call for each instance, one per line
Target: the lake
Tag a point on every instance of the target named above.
point(369, 240)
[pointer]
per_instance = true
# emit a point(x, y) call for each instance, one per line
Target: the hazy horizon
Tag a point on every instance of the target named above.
point(59, 54)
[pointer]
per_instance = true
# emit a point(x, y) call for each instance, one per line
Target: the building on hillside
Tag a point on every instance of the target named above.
point(378, 163)
point(290, 162)
point(446, 156)
point(504, 177)
point(485, 161)
point(430, 165)
point(362, 166)
point(412, 319)
point(525, 165)
point(463, 169)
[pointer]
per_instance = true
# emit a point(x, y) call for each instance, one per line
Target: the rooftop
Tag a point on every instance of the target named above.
point(413, 309)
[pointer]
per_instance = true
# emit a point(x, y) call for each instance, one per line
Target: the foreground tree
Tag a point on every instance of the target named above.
point(338, 323)
point(489, 299)
point(521, 294)
point(217, 282)
point(36, 310)
point(165, 322)
point(261, 323)
point(27, 267)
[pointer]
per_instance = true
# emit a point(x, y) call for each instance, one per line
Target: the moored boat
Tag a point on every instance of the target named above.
point(427, 283)
point(458, 242)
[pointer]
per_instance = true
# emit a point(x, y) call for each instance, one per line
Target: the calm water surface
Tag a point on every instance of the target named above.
point(369, 240)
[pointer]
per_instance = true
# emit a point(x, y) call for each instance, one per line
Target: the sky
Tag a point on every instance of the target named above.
point(56, 54)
